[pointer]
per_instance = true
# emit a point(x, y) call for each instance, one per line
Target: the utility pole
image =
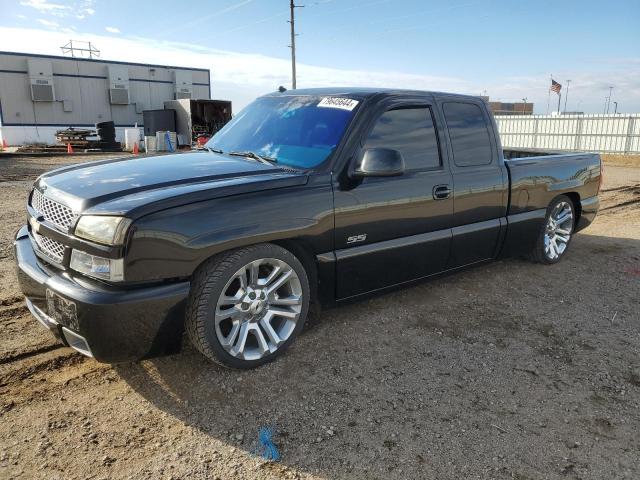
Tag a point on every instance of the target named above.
point(292, 7)
point(566, 96)
point(524, 104)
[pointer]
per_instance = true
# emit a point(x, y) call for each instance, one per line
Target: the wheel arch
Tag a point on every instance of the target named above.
point(297, 247)
point(577, 205)
point(304, 253)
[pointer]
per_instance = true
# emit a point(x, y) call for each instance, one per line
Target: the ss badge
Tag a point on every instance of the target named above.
point(356, 238)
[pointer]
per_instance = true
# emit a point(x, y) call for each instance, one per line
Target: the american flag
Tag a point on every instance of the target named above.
point(555, 86)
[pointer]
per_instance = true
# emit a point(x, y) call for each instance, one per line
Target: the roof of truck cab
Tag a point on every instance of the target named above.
point(362, 92)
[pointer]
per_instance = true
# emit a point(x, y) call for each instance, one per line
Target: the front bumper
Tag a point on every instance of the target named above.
point(111, 324)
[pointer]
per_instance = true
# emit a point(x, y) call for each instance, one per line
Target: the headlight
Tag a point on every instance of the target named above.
point(98, 267)
point(102, 229)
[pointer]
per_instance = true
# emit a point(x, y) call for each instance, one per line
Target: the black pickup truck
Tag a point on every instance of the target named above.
point(306, 196)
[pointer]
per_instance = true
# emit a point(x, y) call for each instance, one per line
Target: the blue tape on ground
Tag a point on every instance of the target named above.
point(267, 448)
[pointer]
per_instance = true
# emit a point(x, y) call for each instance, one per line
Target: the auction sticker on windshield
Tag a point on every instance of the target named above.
point(337, 102)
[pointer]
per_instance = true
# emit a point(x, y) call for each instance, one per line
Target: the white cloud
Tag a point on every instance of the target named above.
point(112, 29)
point(79, 9)
point(240, 77)
point(44, 6)
point(21, 17)
point(48, 23)
point(84, 9)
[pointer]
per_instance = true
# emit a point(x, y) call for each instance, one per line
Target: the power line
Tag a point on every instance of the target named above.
point(222, 33)
point(206, 18)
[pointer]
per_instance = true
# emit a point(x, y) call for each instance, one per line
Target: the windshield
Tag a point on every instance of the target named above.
point(298, 131)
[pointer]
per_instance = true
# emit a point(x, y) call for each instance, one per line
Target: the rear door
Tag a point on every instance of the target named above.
point(480, 182)
point(389, 230)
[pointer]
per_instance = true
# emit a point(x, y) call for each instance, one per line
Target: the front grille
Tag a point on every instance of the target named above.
point(54, 212)
point(51, 248)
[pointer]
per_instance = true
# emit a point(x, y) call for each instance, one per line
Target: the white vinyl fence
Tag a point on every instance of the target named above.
point(575, 133)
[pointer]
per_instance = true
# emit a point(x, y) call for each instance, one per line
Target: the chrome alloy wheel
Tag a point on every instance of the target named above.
point(258, 309)
point(558, 230)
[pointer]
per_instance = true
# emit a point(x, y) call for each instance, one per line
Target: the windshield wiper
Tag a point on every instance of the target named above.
point(255, 156)
point(213, 150)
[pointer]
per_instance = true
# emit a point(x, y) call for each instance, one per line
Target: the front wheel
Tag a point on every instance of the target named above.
point(555, 235)
point(247, 306)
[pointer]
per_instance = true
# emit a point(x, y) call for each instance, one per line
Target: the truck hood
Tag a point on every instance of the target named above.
point(135, 186)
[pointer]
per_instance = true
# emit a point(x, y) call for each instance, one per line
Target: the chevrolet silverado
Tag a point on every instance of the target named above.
point(315, 196)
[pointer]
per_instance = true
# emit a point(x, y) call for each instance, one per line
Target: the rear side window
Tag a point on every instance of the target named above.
point(469, 134)
point(411, 131)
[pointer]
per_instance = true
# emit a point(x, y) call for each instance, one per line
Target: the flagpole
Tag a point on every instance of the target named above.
point(549, 95)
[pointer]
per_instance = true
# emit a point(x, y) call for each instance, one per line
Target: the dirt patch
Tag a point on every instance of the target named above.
point(622, 160)
point(510, 370)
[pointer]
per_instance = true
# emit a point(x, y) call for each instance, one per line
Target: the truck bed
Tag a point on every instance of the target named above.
point(535, 181)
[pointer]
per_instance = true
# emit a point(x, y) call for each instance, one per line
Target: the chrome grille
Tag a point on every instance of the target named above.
point(53, 212)
point(51, 248)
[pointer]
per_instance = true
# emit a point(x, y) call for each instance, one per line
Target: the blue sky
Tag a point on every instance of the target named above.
point(506, 48)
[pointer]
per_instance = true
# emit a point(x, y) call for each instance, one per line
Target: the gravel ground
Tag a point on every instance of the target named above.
point(509, 370)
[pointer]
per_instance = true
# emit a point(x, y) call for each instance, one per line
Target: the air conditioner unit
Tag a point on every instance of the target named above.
point(183, 93)
point(183, 84)
point(119, 96)
point(118, 84)
point(41, 80)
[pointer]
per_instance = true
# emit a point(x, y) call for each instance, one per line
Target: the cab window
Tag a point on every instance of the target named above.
point(469, 134)
point(412, 132)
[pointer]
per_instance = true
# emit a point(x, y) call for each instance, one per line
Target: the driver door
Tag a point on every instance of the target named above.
point(390, 230)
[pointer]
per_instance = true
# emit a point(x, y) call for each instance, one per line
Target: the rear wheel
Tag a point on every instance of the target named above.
point(555, 235)
point(247, 306)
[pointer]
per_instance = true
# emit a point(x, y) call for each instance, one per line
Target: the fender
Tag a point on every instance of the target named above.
point(172, 243)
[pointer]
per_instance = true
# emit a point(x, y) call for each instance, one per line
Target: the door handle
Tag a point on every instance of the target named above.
point(440, 192)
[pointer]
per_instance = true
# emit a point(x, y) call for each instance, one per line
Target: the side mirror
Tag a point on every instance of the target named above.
point(379, 162)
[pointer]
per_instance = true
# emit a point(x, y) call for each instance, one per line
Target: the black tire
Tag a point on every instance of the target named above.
point(206, 288)
point(106, 133)
point(110, 124)
point(539, 253)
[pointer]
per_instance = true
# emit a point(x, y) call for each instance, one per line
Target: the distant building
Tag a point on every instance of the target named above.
point(509, 108)
point(40, 94)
